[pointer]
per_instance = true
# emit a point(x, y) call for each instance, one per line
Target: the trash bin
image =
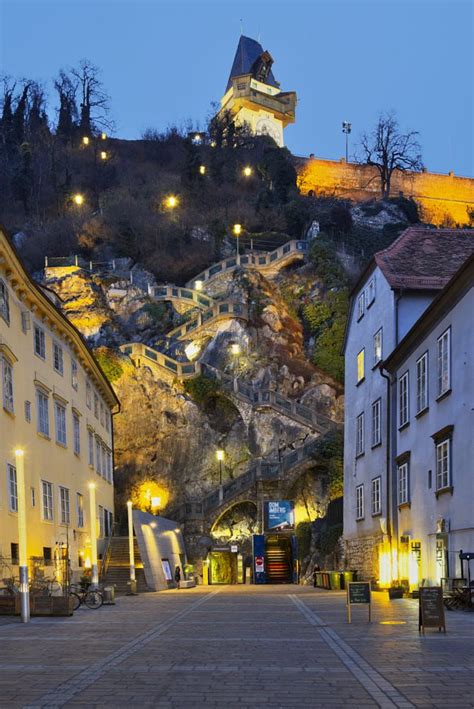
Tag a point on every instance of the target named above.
point(348, 577)
point(335, 580)
point(109, 595)
point(132, 588)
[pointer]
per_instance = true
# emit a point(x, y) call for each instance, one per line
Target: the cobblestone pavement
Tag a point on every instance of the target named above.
point(270, 646)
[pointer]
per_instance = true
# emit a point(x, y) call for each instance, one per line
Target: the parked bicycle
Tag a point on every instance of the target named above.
point(79, 595)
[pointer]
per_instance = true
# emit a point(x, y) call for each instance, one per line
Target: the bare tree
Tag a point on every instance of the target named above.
point(94, 100)
point(387, 149)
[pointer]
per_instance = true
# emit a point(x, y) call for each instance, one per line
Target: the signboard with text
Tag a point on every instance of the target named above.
point(431, 609)
point(258, 548)
point(358, 594)
point(279, 515)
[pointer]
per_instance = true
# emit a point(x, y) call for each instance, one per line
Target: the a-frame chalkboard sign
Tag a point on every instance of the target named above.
point(431, 609)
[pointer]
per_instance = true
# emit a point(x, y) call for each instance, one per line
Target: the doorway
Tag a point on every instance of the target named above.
point(278, 559)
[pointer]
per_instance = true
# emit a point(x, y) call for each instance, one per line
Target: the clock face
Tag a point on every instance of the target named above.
point(266, 127)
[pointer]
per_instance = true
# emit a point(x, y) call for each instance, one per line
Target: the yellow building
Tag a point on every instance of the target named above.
point(57, 408)
point(253, 96)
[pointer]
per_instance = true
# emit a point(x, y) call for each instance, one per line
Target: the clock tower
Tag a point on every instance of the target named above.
point(253, 96)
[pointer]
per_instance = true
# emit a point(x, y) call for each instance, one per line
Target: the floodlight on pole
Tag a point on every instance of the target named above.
point(346, 129)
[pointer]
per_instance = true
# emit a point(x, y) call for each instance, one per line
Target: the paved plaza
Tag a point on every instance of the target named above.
point(234, 646)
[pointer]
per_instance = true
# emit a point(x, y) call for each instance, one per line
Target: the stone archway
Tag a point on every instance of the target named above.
point(236, 524)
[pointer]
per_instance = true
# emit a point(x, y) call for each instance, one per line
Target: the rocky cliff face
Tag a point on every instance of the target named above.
point(167, 435)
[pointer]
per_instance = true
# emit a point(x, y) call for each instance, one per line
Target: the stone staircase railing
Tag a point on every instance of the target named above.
point(140, 354)
point(269, 398)
point(220, 311)
point(263, 261)
point(189, 296)
point(260, 470)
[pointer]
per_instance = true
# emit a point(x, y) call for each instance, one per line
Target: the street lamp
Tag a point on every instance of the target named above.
point(85, 140)
point(202, 169)
point(93, 535)
point(235, 352)
point(78, 199)
point(22, 543)
point(131, 549)
point(247, 171)
point(103, 136)
point(220, 457)
point(346, 129)
point(237, 229)
point(103, 155)
point(171, 202)
point(197, 285)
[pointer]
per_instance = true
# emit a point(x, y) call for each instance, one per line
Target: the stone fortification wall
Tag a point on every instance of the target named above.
point(443, 199)
point(361, 555)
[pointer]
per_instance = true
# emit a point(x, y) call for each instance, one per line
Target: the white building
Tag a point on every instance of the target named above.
point(432, 371)
point(392, 293)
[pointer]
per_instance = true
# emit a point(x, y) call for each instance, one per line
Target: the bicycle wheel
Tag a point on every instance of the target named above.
point(76, 600)
point(93, 599)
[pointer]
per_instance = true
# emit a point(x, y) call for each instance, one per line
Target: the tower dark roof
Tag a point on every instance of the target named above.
point(246, 57)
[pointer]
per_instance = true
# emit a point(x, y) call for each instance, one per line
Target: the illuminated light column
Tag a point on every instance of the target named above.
point(22, 544)
point(93, 535)
point(131, 549)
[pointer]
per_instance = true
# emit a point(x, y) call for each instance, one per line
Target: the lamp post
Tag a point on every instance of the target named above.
point(131, 549)
point(237, 229)
point(93, 535)
point(220, 458)
point(235, 352)
point(346, 129)
point(22, 544)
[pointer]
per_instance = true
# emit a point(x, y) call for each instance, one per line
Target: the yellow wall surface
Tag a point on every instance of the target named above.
point(443, 199)
point(45, 459)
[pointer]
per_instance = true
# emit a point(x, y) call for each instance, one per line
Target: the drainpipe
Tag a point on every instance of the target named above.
point(388, 462)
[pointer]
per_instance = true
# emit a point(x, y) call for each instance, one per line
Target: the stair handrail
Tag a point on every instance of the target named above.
point(104, 564)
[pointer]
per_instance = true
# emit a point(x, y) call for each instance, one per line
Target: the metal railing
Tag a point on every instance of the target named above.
point(140, 353)
point(220, 311)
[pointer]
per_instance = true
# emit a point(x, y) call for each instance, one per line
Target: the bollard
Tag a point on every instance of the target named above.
point(132, 588)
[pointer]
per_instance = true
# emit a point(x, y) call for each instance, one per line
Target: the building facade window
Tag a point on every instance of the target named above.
point(370, 292)
point(42, 405)
point(96, 406)
point(64, 505)
point(28, 411)
point(60, 423)
point(77, 433)
point(74, 376)
point(12, 488)
point(80, 509)
point(47, 499)
point(33, 496)
point(88, 395)
point(4, 302)
point(376, 496)
point(39, 341)
point(360, 502)
point(376, 422)
point(7, 384)
point(101, 521)
point(403, 486)
point(444, 362)
point(58, 358)
point(360, 434)
point(378, 347)
point(443, 464)
point(360, 305)
point(422, 383)
point(403, 400)
point(98, 456)
point(361, 366)
point(90, 441)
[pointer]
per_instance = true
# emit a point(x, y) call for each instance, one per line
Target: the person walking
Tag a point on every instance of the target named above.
point(177, 576)
point(316, 568)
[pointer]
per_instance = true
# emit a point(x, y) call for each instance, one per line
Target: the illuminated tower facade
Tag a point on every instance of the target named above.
point(253, 96)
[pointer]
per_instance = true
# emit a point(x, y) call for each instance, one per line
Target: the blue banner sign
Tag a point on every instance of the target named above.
point(279, 515)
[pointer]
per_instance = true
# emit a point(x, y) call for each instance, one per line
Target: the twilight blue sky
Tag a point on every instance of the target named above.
point(164, 62)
